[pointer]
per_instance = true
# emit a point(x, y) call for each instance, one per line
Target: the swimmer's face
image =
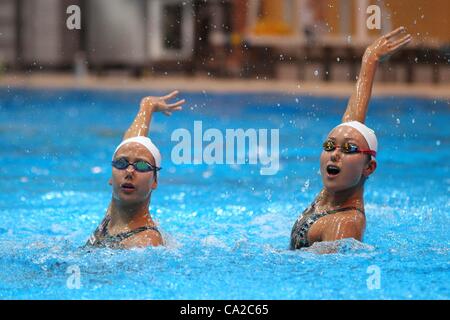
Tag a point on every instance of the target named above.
point(130, 185)
point(341, 171)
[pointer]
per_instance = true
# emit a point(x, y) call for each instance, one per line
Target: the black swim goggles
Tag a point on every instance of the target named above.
point(140, 165)
point(346, 147)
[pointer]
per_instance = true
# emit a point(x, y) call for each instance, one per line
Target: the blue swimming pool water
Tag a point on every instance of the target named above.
point(227, 226)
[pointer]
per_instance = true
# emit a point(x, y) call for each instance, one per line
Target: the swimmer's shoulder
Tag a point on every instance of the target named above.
point(146, 238)
point(341, 225)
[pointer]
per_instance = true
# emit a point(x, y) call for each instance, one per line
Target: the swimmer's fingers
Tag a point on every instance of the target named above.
point(176, 104)
point(171, 95)
point(167, 109)
point(395, 32)
point(395, 45)
point(176, 109)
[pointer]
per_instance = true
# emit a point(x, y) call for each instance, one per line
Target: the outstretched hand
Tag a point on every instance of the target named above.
point(159, 104)
point(388, 44)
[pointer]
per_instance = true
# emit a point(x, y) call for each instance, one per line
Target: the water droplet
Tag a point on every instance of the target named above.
point(305, 186)
point(96, 170)
point(207, 174)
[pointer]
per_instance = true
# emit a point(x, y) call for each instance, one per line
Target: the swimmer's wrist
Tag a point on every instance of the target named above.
point(148, 105)
point(370, 57)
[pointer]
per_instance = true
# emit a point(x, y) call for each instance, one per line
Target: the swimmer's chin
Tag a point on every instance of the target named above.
point(333, 187)
point(337, 185)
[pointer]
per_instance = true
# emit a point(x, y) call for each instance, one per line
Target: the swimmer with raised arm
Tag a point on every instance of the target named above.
point(347, 160)
point(135, 164)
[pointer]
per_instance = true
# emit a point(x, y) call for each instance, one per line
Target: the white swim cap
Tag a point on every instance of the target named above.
point(147, 143)
point(366, 132)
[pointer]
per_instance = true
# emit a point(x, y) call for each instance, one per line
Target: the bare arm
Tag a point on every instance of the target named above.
point(342, 226)
point(382, 48)
point(149, 105)
point(143, 239)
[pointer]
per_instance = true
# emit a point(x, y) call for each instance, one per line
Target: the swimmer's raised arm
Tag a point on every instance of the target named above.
point(381, 49)
point(149, 105)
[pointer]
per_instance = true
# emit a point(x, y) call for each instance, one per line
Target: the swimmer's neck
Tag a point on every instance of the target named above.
point(124, 215)
point(350, 197)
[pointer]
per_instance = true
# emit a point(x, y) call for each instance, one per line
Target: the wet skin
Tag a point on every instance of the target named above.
point(354, 168)
point(132, 190)
point(131, 196)
point(346, 189)
point(144, 182)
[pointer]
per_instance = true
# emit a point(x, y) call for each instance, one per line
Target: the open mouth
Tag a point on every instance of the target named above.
point(127, 186)
point(333, 170)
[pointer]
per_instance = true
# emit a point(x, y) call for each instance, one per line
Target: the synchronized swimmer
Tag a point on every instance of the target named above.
point(347, 160)
point(135, 164)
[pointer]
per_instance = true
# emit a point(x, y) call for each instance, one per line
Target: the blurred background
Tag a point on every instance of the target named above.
point(310, 40)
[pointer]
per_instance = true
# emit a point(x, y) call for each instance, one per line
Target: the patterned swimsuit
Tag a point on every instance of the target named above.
point(102, 238)
point(299, 233)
